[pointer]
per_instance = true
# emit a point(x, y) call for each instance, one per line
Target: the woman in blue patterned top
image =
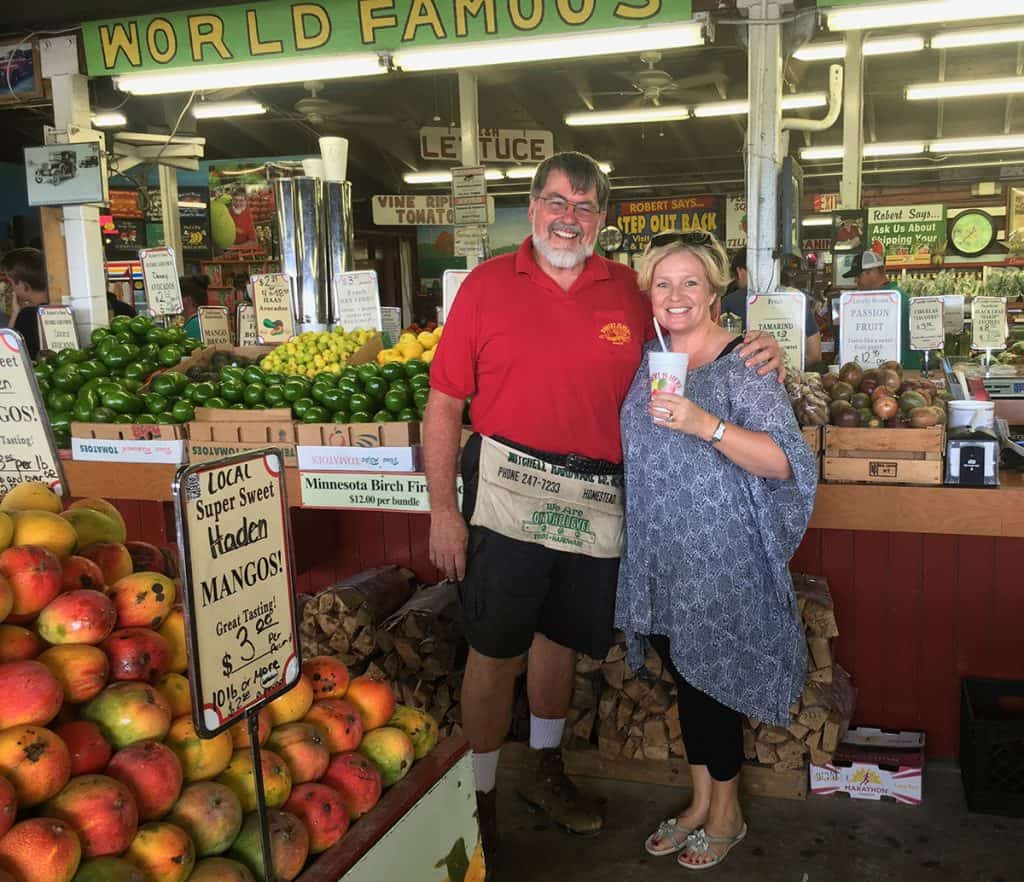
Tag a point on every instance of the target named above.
point(719, 490)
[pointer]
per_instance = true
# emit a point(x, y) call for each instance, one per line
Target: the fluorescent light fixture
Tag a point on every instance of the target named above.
point(977, 37)
point(664, 113)
point(804, 101)
point(893, 45)
point(522, 172)
point(722, 108)
point(890, 148)
point(890, 15)
point(820, 52)
point(445, 176)
point(109, 119)
point(239, 76)
point(817, 220)
point(975, 145)
point(220, 109)
point(611, 41)
point(965, 88)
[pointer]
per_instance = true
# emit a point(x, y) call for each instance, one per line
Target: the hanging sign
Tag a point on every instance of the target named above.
point(451, 281)
point(160, 276)
point(57, 328)
point(869, 327)
point(907, 233)
point(358, 300)
point(927, 324)
point(27, 448)
point(639, 219)
point(245, 325)
point(469, 241)
point(233, 531)
point(425, 211)
point(735, 222)
point(469, 194)
point(391, 322)
point(953, 313)
point(782, 314)
point(496, 145)
point(214, 326)
point(272, 300)
point(988, 323)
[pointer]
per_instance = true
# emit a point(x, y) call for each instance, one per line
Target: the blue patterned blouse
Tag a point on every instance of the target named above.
point(708, 544)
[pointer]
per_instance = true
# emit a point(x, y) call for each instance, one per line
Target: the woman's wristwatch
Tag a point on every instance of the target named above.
point(718, 434)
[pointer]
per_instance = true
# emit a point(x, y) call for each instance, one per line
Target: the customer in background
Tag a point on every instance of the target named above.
point(735, 302)
point(193, 295)
point(726, 458)
point(25, 272)
point(868, 269)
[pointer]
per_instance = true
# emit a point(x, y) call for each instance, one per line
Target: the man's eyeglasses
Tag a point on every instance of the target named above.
point(697, 237)
point(558, 205)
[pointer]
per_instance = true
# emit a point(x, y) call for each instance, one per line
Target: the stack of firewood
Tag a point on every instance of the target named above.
point(820, 717)
point(342, 620)
point(636, 711)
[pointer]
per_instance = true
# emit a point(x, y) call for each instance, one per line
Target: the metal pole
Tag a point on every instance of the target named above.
point(252, 723)
point(469, 123)
point(853, 121)
point(171, 216)
point(764, 86)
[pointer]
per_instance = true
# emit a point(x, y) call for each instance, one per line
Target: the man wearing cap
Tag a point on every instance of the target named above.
point(869, 270)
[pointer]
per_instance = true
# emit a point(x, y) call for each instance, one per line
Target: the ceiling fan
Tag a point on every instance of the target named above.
point(651, 84)
point(326, 112)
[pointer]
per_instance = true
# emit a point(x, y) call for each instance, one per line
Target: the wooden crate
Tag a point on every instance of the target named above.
point(884, 456)
point(812, 435)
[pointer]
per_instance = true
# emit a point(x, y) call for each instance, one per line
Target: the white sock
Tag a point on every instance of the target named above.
point(545, 734)
point(485, 769)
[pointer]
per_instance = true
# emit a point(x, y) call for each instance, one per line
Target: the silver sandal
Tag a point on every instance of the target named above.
point(671, 832)
point(700, 844)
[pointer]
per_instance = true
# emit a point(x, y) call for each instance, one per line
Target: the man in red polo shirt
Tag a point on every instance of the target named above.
point(546, 341)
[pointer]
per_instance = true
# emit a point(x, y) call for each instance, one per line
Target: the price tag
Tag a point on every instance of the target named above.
point(451, 282)
point(953, 313)
point(245, 323)
point(27, 448)
point(927, 323)
point(869, 327)
point(57, 328)
point(214, 326)
point(358, 300)
point(160, 276)
point(391, 320)
point(989, 328)
point(469, 195)
point(367, 491)
point(233, 530)
point(272, 299)
point(783, 315)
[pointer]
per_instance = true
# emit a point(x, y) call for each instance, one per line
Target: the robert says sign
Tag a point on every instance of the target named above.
point(496, 145)
point(642, 218)
point(429, 211)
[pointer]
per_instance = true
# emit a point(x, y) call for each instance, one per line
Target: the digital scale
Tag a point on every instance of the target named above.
point(973, 461)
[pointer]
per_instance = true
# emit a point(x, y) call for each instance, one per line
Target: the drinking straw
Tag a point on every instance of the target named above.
point(661, 338)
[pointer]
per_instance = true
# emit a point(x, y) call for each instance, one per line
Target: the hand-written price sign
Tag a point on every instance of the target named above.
point(57, 328)
point(160, 276)
point(272, 298)
point(214, 327)
point(782, 314)
point(927, 323)
point(245, 325)
point(988, 323)
point(27, 451)
point(358, 300)
point(869, 327)
point(953, 313)
point(233, 531)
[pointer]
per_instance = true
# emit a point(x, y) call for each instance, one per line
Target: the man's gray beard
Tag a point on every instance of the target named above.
point(563, 258)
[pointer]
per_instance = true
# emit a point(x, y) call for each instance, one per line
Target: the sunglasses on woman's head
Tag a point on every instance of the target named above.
point(697, 237)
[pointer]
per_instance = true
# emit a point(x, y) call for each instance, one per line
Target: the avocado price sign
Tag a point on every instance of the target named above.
point(160, 276)
point(233, 530)
point(272, 298)
point(869, 327)
point(782, 314)
point(27, 449)
point(57, 328)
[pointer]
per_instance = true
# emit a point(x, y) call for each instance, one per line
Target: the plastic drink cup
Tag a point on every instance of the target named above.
point(668, 372)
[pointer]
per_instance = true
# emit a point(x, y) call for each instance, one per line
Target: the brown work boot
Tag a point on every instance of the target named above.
point(487, 818)
point(548, 789)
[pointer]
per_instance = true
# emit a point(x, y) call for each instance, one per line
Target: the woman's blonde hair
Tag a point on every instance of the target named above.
point(705, 247)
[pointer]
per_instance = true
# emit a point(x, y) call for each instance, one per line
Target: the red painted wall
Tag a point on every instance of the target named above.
point(916, 612)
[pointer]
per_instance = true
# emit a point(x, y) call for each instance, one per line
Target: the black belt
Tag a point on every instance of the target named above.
point(583, 465)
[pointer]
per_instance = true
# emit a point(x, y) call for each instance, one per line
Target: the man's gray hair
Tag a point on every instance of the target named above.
point(582, 171)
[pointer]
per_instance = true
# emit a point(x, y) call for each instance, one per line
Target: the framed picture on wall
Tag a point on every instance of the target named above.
point(842, 261)
point(20, 78)
point(1015, 212)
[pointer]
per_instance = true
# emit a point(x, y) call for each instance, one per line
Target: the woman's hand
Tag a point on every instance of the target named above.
point(681, 415)
point(762, 351)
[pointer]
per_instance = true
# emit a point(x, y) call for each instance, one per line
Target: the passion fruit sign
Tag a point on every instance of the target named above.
point(233, 530)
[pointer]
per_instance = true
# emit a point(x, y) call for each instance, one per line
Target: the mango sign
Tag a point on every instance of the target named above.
point(233, 530)
point(273, 29)
point(641, 219)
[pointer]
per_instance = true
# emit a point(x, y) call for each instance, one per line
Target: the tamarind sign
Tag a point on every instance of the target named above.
point(234, 535)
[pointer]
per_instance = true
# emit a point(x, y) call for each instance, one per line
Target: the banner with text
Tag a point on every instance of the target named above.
point(909, 234)
point(640, 219)
point(418, 211)
point(496, 145)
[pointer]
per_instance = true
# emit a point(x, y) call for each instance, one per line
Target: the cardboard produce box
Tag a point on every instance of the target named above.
point(874, 764)
point(358, 434)
point(128, 442)
point(216, 432)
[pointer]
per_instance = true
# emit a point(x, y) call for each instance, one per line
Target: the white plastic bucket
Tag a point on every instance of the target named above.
point(313, 168)
point(973, 414)
point(335, 155)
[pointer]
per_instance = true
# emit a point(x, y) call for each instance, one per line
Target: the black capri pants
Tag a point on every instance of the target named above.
point(712, 732)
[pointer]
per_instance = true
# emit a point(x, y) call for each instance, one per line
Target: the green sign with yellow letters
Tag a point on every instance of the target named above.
point(273, 29)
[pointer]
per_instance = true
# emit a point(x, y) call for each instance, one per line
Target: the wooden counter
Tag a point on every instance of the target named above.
point(891, 508)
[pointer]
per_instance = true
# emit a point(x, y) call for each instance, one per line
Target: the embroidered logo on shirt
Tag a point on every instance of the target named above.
point(616, 333)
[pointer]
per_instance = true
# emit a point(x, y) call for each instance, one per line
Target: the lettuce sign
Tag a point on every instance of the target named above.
point(907, 235)
point(275, 29)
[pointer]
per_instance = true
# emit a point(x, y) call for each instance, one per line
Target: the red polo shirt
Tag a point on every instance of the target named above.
point(546, 368)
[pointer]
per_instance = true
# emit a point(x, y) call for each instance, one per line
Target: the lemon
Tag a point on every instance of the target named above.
point(427, 340)
point(410, 348)
point(407, 337)
point(428, 356)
